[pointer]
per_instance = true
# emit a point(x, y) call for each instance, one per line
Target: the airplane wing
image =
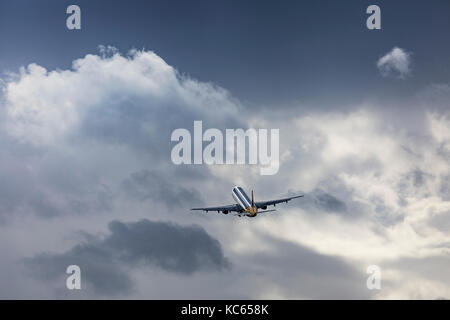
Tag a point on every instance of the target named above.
point(231, 207)
point(263, 204)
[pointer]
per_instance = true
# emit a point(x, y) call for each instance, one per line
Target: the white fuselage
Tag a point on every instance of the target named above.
point(244, 201)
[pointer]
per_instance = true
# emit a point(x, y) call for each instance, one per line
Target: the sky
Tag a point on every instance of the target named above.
point(86, 177)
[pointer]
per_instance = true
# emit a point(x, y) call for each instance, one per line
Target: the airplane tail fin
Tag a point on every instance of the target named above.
point(253, 200)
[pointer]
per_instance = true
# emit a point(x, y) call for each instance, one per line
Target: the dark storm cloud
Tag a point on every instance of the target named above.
point(169, 246)
point(104, 262)
point(151, 185)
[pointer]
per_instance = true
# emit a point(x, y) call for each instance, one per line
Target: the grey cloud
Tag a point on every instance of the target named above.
point(44, 186)
point(445, 187)
point(434, 268)
point(104, 262)
point(441, 221)
point(175, 248)
point(151, 185)
point(120, 115)
point(100, 164)
point(101, 272)
point(385, 215)
point(319, 200)
point(413, 183)
point(444, 245)
point(337, 200)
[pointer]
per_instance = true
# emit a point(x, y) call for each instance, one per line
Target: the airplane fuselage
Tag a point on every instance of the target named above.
point(244, 201)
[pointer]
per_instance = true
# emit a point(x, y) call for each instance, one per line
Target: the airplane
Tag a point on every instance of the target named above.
point(244, 206)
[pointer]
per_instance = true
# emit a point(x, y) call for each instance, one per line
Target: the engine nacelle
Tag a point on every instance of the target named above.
point(264, 208)
point(225, 211)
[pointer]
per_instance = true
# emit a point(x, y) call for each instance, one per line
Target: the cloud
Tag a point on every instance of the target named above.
point(91, 144)
point(395, 63)
point(169, 246)
point(74, 138)
point(417, 278)
point(145, 185)
point(294, 271)
point(383, 181)
point(104, 261)
point(100, 271)
point(110, 98)
point(319, 200)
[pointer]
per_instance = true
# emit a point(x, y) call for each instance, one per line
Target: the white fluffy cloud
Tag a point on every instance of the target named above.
point(108, 118)
point(395, 63)
point(45, 106)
